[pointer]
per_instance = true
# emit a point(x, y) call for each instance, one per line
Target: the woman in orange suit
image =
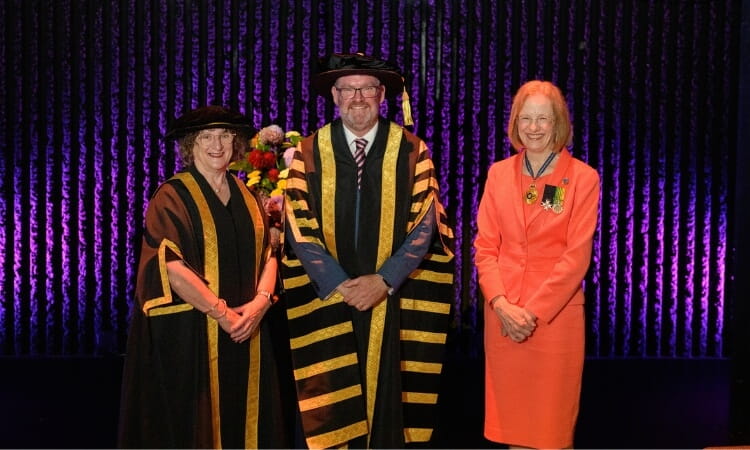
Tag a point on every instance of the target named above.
point(536, 223)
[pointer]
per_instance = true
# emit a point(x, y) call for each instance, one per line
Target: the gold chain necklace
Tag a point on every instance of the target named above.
point(221, 185)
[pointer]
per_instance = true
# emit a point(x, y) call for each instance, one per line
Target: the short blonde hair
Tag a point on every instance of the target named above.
point(562, 134)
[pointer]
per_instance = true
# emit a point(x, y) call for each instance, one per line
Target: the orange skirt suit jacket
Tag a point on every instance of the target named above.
point(537, 258)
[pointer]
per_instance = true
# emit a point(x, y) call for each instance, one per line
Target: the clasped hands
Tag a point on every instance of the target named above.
point(241, 321)
point(517, 323)
point(363, 292)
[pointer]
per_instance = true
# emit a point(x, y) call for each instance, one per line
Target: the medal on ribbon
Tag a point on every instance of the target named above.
point(531, 194)
point(553, 198)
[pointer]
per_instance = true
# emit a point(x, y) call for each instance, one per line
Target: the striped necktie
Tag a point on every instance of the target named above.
point(359, 158)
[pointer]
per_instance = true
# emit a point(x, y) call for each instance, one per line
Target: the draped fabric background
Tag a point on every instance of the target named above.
point(89, 87)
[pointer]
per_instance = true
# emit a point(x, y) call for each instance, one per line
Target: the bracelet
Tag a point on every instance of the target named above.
point(222, 314)
point(213, 308)
point(221, 300)
point(271, 298)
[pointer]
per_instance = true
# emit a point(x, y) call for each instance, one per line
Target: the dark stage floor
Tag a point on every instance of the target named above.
point(626, 403)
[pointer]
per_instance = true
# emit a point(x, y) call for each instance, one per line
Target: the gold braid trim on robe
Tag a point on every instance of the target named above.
point(425, 300)
point(335, 408)
point(163, 305)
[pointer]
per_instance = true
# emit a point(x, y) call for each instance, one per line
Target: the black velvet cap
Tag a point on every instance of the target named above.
point(211, 116)
point(336, 65)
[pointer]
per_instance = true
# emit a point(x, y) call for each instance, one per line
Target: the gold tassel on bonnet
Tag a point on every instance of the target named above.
point(406, 107)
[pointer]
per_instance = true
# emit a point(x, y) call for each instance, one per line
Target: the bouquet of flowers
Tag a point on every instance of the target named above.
point(266, 165)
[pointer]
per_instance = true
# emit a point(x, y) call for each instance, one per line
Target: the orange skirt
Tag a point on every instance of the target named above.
point(532, 388)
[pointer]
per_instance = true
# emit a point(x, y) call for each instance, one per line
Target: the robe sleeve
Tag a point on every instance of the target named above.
point(167, 237)
point(407, 258)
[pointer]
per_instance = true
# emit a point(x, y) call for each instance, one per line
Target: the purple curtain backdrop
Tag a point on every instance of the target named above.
point(89, 87)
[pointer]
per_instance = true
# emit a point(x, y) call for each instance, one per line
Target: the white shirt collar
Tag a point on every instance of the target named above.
point(370, 136)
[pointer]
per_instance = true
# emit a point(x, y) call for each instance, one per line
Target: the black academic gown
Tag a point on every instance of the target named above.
point(366, 379)
point(186, 384)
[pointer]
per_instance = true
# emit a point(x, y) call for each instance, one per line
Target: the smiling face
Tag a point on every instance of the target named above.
point(536, 124)
point(359, 113)
point(213, 149)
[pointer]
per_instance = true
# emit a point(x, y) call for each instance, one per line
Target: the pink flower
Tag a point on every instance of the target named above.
point(274, 203)
point(271, 135)
point(289, 156)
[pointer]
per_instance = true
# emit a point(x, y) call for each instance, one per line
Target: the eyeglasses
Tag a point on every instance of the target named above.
point(541, 121)
point(205, 139)
point(367, 92)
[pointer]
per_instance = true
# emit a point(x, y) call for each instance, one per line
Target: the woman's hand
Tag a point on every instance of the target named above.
point(227, 320)
point(248, 319)
point(517, 322)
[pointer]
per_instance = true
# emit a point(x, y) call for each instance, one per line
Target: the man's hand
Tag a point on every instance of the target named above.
point(364, 292)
